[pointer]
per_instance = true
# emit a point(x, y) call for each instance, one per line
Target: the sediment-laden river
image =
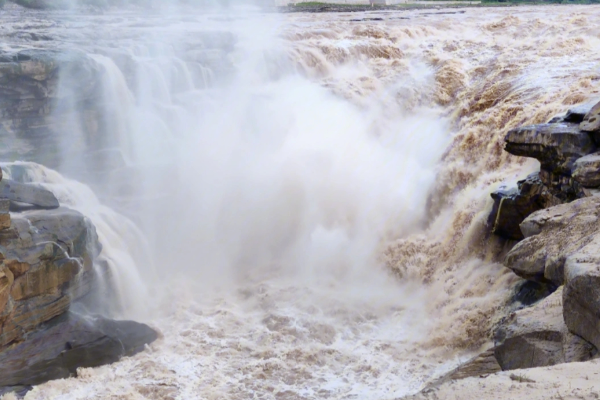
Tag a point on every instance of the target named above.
point(298, 203)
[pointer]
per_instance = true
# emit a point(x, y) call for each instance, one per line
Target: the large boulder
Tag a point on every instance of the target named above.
point(58, 347)
point(29, 193)
point(562, 246)
point(591, 122)
point(556, 145)
point(552, 236)
point(586, 170)
point(537, 336)
point(47, 263)
point(582, 291)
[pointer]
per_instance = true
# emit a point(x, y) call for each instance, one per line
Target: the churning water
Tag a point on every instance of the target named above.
point(301, 200)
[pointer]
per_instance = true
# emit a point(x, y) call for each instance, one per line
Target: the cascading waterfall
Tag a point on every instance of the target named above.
point(312, 193)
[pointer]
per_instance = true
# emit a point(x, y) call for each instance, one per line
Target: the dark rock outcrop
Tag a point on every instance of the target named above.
point(537, 336)
point(513, 205)
point(58, 347)
point(556, 146)
point(567, 170)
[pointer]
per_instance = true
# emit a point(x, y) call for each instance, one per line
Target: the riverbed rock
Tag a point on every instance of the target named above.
point(4, 214)
point(537, 336)
point(512, 206)
point(47, 263)
point(591, 121)
point(33, 113)
point(578, 113)
point(59, 346)
point(29, 193)
point(582, 292)
point(586, 170)
point(551, 237)
point(556, 146)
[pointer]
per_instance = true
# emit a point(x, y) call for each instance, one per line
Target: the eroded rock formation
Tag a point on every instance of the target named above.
point(565, 148)
point(557, 216)
point(48, 261)
point(538, 336)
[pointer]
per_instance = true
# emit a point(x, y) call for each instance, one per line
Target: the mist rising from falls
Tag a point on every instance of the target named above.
point(313, 192)
point(264, 173)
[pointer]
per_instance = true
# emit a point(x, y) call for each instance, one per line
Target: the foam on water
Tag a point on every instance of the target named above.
point(316, 215)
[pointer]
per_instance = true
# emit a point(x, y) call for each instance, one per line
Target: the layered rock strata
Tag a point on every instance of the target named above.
point(48, 261)
point(566, 149)
point(555, 215)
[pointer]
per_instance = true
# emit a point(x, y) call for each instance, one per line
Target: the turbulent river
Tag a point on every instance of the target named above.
point(298, 203)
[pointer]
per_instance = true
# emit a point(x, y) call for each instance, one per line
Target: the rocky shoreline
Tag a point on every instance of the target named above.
point(551, 222)
point(49, 263)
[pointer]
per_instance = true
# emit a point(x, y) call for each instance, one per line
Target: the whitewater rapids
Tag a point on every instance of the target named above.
point(326, 237)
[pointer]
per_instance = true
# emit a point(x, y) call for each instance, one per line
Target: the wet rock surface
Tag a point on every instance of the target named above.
point(557, 146)
point(511, 206)
point(568, 170)
point(59, 346)
point(48, 262)
point(537, 336)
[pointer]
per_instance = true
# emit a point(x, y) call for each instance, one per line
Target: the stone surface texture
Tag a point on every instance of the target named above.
point(58, 347)
point(537, 336)
point(48, 262)
point(552, 236)
point(513, 205)
point(586, 170)
point(591, 120)
point(556, 146)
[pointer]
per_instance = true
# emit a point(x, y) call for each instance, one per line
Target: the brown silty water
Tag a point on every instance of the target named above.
point(325, 234)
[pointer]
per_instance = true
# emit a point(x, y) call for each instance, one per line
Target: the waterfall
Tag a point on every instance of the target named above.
point(300, 202)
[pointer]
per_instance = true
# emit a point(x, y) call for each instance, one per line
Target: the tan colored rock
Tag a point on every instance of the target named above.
point(6, 281)
point(551, 236)
point(45, 278)
point(16, 267)
point(48, 256)
point(582, 292)
point(4, 214)
point(586, 170)
point(591, 121)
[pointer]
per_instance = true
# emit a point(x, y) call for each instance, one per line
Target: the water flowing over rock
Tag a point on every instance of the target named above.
point(31, 111)
point(274, 176)
point(513, 205)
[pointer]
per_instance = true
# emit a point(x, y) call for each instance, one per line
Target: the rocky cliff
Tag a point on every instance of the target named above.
point(552, 221)
point(48, 262)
